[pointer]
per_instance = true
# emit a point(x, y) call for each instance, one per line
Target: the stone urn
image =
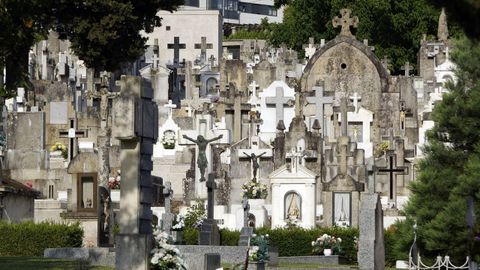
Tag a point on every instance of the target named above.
point(327, 252)
point(256, 266)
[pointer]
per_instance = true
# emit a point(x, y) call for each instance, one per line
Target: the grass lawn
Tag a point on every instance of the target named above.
point(37, 263)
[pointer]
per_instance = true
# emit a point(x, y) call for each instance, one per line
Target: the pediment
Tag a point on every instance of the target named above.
point(85, 162)
point(285, 173)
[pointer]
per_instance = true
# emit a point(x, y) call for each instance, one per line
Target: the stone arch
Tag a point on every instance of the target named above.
point(290, 200)
point(210, 86)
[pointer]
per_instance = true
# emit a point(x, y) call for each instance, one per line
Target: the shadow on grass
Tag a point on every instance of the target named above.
point(34, 263)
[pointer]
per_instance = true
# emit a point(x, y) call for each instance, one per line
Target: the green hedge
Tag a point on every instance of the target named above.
point(298, 241)
point(229, 238)
point(30, 239)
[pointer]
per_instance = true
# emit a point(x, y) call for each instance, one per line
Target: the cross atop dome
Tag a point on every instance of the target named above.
point(345, 21)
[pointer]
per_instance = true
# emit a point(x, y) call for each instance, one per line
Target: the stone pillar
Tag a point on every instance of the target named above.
point(135, 119)
point(371, 250)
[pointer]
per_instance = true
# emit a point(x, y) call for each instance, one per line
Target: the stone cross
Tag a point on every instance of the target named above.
point(203, 46)
point(167, 193)
point(310, 49)
point(344, 109)
point(393, 170)
point(170, 107)
point(295, 158)
point(345, 21)
point(131, 110)
point(72, 133)
point(104, 95)
point(406, 68)
point(355, 98)
point(176, 46)
point(195, 103)
point(246, 210)
point(211, 186)
point(212, 60)
point(319, 100)
point(279, 101)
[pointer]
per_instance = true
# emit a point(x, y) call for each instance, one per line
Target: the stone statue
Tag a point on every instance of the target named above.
point(293, 211)
point(255, 165)
point(202, 157)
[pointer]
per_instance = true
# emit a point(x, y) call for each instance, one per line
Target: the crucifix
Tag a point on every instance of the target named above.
point(202, 143)
point(345, 21)
point(72, 133)
point(355, 98)
point(344, 109)
point(406, 68)
point(254, 158)
point(203, 46)
point(319, 100)
point(176, 46)
point(279, 101)
point(170, 107)
point(392, 170)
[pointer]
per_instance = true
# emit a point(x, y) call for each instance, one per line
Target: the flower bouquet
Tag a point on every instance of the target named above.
point(58, 146)
point(114, 181)
point(326, 242)
point(178, 223)
point(168, 141)
point(254, 190)
point(165, 255)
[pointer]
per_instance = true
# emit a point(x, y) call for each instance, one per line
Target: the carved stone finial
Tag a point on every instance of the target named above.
point(442, 33)
point(345, 21)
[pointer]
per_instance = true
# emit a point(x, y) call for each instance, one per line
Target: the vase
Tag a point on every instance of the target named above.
point(115, 195)
point(256, 266)
point(327, 252)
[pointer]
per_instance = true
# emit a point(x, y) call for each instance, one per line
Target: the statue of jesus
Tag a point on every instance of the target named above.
point(202, 147)
point(255, 165)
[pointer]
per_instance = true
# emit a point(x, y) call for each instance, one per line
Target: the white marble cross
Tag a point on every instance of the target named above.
point(170, 107)
point(355, 98)
point(310, 49)
point(279, 100)
point(296, 159)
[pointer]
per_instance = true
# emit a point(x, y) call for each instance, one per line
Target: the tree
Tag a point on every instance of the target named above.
point(104, 33)
point(394, 27)
point(450, 171)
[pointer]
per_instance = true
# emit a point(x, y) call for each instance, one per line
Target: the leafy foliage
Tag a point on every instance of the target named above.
point(30, 239)
point(394, 27)
point(450, 168)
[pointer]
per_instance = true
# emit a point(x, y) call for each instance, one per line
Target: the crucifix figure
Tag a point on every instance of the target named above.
point(393, 170)
point(344, 109)
point(202, 143)
point(255, 165)
point(345, 21)
point(203, 46)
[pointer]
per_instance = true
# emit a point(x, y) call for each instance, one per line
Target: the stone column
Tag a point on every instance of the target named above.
point(135, 119)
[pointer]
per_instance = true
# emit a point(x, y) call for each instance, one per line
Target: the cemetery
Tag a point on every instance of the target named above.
point(175, 135)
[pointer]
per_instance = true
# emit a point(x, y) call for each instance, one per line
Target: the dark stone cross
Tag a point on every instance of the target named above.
point(345, 21)
point(344, 109)
point(176, 46)
point(393, 170)
point(203, 46)
point(211, 186)
point(406, 68)
point(212, 60)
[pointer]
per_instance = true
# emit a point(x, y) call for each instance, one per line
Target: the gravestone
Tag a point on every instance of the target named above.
point(135, 122)
point(212, 261)
point(167, 217)
point(246, 232)
point(371, 250)
point(209, 234)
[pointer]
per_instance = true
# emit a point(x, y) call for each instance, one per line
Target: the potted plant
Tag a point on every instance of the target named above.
point(254, 190)
point(327, 244)
point(258, 252)
point(164, 254)
point(168, 141)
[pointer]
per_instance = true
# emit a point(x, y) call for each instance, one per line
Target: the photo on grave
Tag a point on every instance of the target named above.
point(293, 206)
point(87, 192)
point(342, 209)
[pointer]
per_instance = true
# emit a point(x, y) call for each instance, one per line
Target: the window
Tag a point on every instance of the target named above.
point(167, 28)
point(87, 192)
point(51, 192)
